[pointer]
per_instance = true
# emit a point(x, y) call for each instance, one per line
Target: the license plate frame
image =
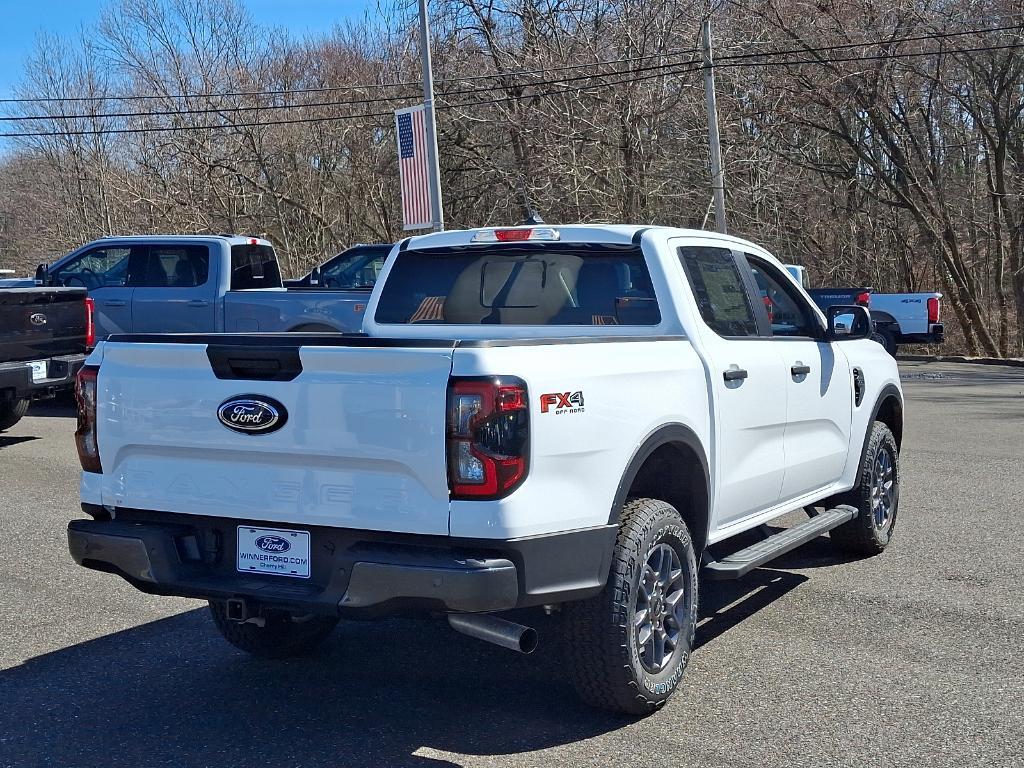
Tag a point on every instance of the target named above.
point(273, 551)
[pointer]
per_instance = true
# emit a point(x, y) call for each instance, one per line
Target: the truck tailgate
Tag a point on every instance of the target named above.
point(362, 444)
point(37, 323)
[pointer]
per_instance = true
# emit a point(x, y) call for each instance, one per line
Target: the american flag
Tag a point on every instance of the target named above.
point(412, 167)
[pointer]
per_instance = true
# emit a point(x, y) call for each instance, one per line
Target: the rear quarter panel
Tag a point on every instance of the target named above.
point(279, 309)
point(909, 310)
point(578, 457)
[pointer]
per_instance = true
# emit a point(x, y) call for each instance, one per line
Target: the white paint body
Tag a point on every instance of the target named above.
point(364, 445)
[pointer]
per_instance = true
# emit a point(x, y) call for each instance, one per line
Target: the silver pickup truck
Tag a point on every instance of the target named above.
point(198, 284)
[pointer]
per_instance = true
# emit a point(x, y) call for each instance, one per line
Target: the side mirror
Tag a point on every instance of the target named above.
point(846, 323)
point(314, 276)
point(41, 274)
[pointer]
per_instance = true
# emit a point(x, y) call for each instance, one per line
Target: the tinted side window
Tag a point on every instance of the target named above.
point(174, 266)
point(787, 314)
point(96, 268)
point(254, 266)
point(718, 287)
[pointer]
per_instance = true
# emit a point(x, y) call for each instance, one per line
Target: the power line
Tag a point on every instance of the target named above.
point(681, 68)
point(356, 87)
point(347, 102)
point(472, 78)
point(473, 91)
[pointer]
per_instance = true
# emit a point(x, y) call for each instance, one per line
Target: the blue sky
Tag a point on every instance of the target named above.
point(24, 19)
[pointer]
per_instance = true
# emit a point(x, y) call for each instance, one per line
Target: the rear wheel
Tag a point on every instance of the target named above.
point(876, 497)
point(627, 647)
point(275, 635)
point(11, 412)
point(887, 339)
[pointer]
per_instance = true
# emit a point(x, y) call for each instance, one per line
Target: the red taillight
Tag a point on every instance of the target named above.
point(863, 299)
point(90, 325)
point(488, 427)
point(933, 309)
point(85, 435)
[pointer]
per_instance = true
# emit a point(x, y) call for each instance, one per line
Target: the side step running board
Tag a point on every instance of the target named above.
point(743, 562)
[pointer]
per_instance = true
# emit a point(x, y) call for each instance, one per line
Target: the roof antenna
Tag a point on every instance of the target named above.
point(530, 214)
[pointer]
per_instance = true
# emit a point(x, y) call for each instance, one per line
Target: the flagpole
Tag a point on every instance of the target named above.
point(433, 169)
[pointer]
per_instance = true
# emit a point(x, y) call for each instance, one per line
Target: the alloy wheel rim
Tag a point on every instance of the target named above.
point(660, 610)
point(883, 488)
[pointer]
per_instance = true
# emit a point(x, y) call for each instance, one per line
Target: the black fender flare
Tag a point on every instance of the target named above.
point(663, 435)
point(889, 391)
point(884, 319)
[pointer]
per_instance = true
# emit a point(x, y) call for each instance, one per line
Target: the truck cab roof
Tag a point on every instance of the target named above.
point(229, 239)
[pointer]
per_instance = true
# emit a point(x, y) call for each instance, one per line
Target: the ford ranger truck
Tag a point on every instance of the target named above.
point(582, 418)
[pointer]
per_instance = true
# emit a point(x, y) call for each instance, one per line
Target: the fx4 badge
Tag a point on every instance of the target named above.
point(563, 402)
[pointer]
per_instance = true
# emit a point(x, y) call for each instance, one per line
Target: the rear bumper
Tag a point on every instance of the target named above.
point(16, 378)
point(936, 335)
point(352, 572)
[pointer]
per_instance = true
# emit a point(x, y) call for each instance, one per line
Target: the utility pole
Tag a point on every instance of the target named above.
point(433, 169)
point(717, 172)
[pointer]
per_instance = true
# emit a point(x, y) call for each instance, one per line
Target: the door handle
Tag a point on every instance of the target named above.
point(734, 374)
point(198, 303)
point(115, 303)
point(800, 370)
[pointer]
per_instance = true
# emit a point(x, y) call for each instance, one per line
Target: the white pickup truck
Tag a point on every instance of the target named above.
point(575, 417)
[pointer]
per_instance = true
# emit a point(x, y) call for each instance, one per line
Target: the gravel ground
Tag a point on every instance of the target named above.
point(907, 659)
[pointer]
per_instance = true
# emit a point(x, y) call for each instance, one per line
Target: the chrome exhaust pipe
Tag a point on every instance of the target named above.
point(492, 629)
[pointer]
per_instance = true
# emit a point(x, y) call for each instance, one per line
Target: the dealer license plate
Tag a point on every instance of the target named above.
point(38, 370)
point(273, 550)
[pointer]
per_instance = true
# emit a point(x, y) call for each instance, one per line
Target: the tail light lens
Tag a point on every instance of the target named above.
point(863, 299)
point(85, 435)
point(90, 325)
point(487, 436)
point(933, 309)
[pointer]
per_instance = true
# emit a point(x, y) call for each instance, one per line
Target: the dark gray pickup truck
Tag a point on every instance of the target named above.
point(44, 336)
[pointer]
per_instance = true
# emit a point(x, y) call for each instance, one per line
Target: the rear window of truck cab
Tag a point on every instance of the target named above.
point(254, 266)
point(520, 284)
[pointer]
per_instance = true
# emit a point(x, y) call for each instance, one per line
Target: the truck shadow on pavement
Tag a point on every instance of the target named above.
point(6, 441)
point(391, 693)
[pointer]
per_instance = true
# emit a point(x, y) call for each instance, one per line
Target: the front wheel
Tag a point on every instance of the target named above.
point(876, 497)
point(275, 635)
point(627, 647)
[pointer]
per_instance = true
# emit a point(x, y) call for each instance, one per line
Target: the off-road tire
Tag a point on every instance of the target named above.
point(279, 638)
point(863, 535)
point(600, 643)
point(11, 412)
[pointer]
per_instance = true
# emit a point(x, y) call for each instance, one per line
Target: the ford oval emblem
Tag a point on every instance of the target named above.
point(38, 319)
point(252, 414)
point(273, 544)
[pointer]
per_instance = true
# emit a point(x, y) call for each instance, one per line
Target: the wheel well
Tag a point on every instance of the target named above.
point(313, 328)
point(675, 473)
point(890, 413)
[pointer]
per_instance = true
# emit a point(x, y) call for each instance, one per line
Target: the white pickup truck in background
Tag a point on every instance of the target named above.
point(899, 318)
point(576, 417)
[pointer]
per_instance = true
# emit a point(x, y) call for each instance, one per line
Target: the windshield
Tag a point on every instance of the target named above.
point(520, 284)
point(356, 269)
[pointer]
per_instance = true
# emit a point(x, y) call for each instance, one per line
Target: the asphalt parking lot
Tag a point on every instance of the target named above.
point(911, 658)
